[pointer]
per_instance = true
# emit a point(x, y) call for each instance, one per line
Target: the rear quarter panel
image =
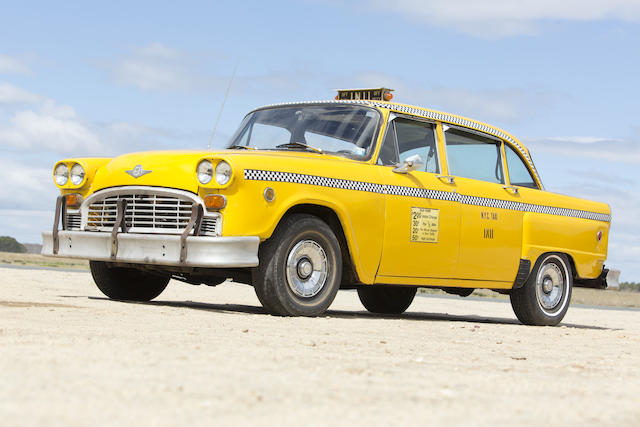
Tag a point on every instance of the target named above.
point(576, 237)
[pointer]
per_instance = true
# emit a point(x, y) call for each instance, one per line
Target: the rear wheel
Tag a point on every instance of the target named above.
point(127, 284)
point(544, 298)
point(300, 268)
point(386, 299)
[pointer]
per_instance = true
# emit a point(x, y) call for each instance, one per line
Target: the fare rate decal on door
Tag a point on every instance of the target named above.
point(424, 225)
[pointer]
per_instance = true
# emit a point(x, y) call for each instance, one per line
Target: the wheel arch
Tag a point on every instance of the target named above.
point(540, 257)
point(332, 219)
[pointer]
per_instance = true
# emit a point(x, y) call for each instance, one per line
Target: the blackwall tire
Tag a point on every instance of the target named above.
point(300, 268)
point(127, 284)
point(386, 299)
point(544, 299)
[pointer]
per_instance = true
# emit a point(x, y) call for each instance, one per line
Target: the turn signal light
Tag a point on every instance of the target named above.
point(215, 201)
point(73, 200)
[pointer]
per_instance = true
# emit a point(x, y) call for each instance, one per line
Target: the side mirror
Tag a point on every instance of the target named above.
point(410, 163)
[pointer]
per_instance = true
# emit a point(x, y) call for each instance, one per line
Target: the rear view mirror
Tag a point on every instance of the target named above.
point(410, 163)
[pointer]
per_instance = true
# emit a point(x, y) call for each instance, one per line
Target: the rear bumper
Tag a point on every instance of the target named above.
point(608, 279)
point(156, 249)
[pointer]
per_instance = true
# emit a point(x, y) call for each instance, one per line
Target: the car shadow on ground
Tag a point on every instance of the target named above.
point(344, 314)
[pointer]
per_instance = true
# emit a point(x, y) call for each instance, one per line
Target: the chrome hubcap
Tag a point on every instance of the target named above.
point(306, 269)
point(550, 286)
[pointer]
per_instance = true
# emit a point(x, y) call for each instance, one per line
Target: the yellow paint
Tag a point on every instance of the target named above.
point(457, 245)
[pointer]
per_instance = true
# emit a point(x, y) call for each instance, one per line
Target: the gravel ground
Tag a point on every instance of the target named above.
point(203, 355)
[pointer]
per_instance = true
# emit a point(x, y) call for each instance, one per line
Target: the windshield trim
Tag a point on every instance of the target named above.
point(376, 132)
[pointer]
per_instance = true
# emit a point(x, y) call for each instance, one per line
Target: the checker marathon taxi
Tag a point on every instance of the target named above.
point(353, 193)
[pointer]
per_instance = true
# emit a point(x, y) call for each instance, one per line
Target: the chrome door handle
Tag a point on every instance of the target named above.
point(512, 188)
point(450, 179)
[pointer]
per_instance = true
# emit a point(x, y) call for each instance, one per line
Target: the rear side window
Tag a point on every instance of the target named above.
point(473, 156)
point(518, 172)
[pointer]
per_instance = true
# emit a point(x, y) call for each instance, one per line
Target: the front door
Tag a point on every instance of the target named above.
point(422, 214)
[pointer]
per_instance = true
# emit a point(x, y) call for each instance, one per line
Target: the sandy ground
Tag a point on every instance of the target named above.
point(202, 355)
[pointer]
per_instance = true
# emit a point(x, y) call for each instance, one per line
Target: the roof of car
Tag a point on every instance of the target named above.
point(434, 115)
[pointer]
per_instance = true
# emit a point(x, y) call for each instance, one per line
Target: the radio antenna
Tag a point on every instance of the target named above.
point(215, 126)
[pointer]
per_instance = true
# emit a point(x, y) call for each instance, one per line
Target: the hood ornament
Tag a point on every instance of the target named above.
point(137, 172)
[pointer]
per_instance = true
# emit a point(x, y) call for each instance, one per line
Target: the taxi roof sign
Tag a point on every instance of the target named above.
point(380, 94)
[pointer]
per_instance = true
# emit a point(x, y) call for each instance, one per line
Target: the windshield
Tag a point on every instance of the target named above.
point(346, 130)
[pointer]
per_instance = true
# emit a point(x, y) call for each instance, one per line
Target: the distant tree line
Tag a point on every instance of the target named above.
point(630, 286)
point(9, 244)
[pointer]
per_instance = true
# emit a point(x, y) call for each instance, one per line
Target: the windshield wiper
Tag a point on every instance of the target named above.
point(241, 147)
point(300, 145)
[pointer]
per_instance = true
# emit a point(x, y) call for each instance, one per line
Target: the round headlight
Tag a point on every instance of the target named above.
point(205, 172)
point(77, 174)
point(223, 172)
point(61, 174)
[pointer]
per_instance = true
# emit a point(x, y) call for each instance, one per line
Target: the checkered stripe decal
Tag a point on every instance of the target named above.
point(434, 115)
point(421, 193)
point(299, 178)
point(528, 207)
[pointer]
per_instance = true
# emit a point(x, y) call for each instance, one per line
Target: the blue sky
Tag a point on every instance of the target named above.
point(79, 79)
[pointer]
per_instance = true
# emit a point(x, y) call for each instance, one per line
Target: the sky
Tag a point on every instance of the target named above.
point(82, 79)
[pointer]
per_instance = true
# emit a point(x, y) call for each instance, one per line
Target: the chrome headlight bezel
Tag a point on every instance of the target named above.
point(223, 172)
point(205, 172)
point(61, 174)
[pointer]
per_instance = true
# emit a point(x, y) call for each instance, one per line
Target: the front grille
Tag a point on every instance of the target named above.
point(210, 227)
point(145, 212)
point(73, 221)
point(149, 210)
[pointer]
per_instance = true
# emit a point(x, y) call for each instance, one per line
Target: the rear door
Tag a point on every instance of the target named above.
point(491, 224)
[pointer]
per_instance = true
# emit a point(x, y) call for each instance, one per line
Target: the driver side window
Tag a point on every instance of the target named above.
point(406, 138)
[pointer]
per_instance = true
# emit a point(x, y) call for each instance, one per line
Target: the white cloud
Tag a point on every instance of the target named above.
point(25, 185)
point(155, 67)
point(501, 18)
point(50, 127)
point(600, 148)
point(491, 105)
point(10, 94)
point(11, 65)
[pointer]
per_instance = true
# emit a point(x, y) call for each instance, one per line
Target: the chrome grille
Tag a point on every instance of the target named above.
point(144, 213)
point(210, 227)
point(149, 210)
point(73, 221)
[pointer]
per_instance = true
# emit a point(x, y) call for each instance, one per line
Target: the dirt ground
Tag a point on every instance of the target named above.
point(200, 355)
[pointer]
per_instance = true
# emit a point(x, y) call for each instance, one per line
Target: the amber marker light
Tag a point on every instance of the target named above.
point(388, 96)
point(215, 202)
point(73, 200)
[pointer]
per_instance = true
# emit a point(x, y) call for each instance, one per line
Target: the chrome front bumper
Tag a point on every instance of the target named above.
point(155, 249)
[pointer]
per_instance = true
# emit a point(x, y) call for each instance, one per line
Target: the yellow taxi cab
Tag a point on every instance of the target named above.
point(353, 193)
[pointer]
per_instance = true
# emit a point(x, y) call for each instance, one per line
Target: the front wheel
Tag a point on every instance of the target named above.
point(544, 298)
point(127, 284)
point(300, 268)
point(386, 299)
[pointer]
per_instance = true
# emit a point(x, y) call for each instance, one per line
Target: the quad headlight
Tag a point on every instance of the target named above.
point(77, 174)
point(61, 174)
point(205, 172)
point(223, 172)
